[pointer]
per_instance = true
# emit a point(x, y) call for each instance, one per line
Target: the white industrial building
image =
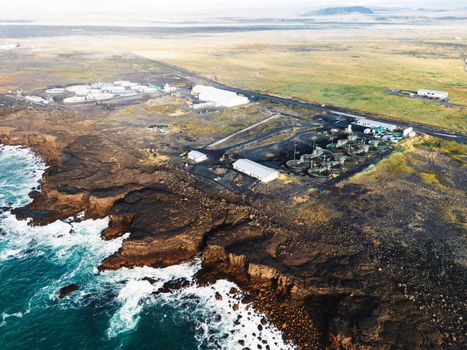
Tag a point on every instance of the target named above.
point(196, 156)
point(168, 88)
point(368, 123)
point(202, 105)
point(99, 96)
point(106, 87)
point(438, 95)
point(97, 85)
point(218, 97)
point(81, 90)
point(125, 83)
point(116, 89)
point(127, 93)
point(37, 99)
point(258, 171)
point(74, 99)
point(408, 132)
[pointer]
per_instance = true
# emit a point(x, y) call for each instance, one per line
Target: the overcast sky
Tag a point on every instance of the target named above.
point(169, 9)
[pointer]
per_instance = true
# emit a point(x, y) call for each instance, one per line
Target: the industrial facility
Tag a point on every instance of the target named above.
point(217, 97)
point(95, 92)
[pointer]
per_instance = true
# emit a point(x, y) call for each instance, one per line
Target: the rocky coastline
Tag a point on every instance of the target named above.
point(327, 284)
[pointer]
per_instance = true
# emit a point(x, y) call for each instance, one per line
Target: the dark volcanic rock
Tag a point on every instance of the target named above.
point(173, 285)
point(376, 263)
point(67, 290)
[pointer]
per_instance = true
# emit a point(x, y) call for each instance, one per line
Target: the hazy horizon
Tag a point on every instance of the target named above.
point(183, 9)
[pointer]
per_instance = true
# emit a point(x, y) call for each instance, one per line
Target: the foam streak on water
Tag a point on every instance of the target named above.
point(15, 185)
point(73, 248)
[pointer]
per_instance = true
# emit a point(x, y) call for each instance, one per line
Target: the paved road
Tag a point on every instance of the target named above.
point(417, 127)
point(421, 128)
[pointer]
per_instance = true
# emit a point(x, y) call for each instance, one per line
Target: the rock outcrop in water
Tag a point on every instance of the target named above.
point(64, 291)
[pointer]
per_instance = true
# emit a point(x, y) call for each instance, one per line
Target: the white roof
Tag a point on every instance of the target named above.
point(374, 123)
point(218, 97)
point(196, 153)
point(74, 99)
point(78, 88)
point(432, 91)
point(121, 82)
point(197, 156)
point(36, 99)
point(99, 96)
point(256, 170)
point(96, 85)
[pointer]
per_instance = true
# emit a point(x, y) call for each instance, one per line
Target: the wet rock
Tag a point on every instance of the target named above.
point(67, 290)
point(149, 279)
point(176, 284)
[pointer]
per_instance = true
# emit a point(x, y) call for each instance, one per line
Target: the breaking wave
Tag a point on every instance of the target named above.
point(73, 249)
point(20, 172)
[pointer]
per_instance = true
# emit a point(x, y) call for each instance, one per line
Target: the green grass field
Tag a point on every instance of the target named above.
point(351, 74)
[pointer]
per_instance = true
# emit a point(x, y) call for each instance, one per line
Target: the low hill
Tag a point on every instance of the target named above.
point(329, 11)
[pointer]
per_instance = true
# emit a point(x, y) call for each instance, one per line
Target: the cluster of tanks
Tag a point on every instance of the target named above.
point(102, 91)
point(90, 92)
point(338, 156)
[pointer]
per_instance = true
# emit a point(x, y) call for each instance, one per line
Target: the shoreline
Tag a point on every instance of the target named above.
point(171, 285)
point(247, 294)
point(330, 278)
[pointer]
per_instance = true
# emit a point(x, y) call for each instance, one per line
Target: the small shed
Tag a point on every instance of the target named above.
point(197, 156)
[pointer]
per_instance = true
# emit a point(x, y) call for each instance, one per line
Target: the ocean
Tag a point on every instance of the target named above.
point(111, 309)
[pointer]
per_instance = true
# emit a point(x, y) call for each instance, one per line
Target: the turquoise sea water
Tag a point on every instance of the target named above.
point(110, 310)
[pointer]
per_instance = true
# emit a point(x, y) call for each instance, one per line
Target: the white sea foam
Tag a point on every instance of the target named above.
point(6, 315)
point(76, 244)
point(220, 324)
point(131, 297)
point(225, 323)
point(60, 239)
point(20, 171)
point(138, 291)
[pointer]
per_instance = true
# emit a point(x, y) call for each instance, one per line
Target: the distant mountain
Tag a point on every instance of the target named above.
point(329, 11)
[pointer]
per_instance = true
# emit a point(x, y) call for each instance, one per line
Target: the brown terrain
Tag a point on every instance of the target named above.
point(375, 262)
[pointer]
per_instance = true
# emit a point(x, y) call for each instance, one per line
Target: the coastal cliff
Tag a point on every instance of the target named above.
point(354, 282)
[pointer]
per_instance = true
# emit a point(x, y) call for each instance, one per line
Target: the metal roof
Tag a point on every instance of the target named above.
point(256, 170)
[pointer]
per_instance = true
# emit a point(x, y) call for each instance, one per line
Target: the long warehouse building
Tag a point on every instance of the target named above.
point(258, 171)
point(218, 97)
